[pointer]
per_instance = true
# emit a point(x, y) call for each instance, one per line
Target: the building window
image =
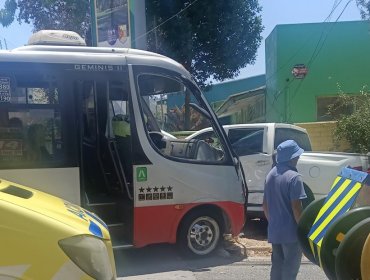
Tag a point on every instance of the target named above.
point(323, 104)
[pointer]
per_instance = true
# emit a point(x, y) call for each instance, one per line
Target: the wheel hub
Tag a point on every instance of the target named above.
point(201, 234)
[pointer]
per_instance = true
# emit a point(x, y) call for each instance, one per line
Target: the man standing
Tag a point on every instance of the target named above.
point(282, 207)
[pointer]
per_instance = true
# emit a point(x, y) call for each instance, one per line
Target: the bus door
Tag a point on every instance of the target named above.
point(106, 165)
point(183, 190)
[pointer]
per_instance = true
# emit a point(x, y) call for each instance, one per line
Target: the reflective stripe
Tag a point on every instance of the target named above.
point(329, 204)
point(340, 199)
point(16, 271)
point(336, 204)
point(69, 271)
point(95, 229)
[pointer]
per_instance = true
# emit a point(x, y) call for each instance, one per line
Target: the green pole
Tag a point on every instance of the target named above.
point(94, 29)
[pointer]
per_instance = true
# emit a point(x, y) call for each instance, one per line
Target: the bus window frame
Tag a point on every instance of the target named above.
point(196, 92)
point(18, 70)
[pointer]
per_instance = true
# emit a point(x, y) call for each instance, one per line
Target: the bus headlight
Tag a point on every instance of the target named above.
point(90, 254)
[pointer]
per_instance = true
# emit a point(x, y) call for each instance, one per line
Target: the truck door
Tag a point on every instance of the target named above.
point(248, 144)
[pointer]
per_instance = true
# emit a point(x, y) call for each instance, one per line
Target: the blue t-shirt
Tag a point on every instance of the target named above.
point(283, 185)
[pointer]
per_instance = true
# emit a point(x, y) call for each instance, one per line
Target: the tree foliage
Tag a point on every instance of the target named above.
point(7, 13)
point(209, 38)
point(352, 114)
point(48, 14)
point(364, 7)
point(212, 39)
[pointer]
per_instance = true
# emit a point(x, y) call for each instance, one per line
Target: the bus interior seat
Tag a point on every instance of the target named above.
point(204, 152)
point(36, 143)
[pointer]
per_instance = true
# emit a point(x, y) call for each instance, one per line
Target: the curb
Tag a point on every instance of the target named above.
point(243, 250)
point(259, 248)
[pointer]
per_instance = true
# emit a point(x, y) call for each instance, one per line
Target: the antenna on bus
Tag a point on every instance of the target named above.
point(56, 38)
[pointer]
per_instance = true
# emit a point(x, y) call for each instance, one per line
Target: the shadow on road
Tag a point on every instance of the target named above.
point(164, 258)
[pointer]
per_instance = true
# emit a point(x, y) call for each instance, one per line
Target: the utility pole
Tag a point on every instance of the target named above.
point(137, 7)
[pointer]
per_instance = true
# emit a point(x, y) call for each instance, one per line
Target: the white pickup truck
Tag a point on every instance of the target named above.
point(255, 144)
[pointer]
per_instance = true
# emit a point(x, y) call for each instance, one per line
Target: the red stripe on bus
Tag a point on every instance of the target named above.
point(158, 224)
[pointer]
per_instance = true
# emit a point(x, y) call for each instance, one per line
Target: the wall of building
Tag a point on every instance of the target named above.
point(218, 93)
point(322, 137)
point(221, 91)
point(337, 58)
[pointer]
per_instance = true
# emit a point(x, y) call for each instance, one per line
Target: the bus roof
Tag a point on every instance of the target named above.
point(89, 55)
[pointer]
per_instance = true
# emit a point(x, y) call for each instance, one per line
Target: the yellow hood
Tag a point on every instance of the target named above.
point(40, 203)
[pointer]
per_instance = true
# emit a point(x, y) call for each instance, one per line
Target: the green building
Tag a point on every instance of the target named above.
point(308, 65)
point(216, 94)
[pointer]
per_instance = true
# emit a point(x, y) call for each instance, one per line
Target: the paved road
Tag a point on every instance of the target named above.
point(162, 262)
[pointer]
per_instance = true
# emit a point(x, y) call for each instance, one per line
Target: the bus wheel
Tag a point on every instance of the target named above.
point(199, 234)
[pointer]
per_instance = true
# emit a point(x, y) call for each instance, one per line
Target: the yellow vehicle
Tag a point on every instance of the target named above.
point(45, 237)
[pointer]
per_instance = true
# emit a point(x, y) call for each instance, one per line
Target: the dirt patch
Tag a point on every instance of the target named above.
point(252, 242)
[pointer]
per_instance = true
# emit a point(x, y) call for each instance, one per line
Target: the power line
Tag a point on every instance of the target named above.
point(299, 49)
point(314, 56)
point(316, 52)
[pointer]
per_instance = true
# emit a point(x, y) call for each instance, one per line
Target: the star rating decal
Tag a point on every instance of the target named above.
point(155, 193)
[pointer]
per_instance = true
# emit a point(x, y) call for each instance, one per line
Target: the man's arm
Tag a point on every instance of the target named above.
point(297, 209)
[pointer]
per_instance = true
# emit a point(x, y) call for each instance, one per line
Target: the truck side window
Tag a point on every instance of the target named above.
point(246, 141)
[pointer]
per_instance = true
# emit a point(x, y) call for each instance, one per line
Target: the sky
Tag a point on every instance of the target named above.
point(273, 13)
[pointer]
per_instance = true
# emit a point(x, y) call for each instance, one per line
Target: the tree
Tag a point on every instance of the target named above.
point(352, 114)
point(364, 7)
point(211, 39)
point(48, 14)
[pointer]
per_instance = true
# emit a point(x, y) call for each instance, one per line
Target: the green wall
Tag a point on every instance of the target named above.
point(337, 56)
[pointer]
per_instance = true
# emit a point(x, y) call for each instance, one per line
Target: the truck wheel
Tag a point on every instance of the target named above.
point(200, 233)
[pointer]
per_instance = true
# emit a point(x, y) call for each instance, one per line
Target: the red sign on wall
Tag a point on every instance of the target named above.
point(299, 71)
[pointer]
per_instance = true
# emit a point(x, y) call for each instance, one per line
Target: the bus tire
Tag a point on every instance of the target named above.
point(200, 233)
